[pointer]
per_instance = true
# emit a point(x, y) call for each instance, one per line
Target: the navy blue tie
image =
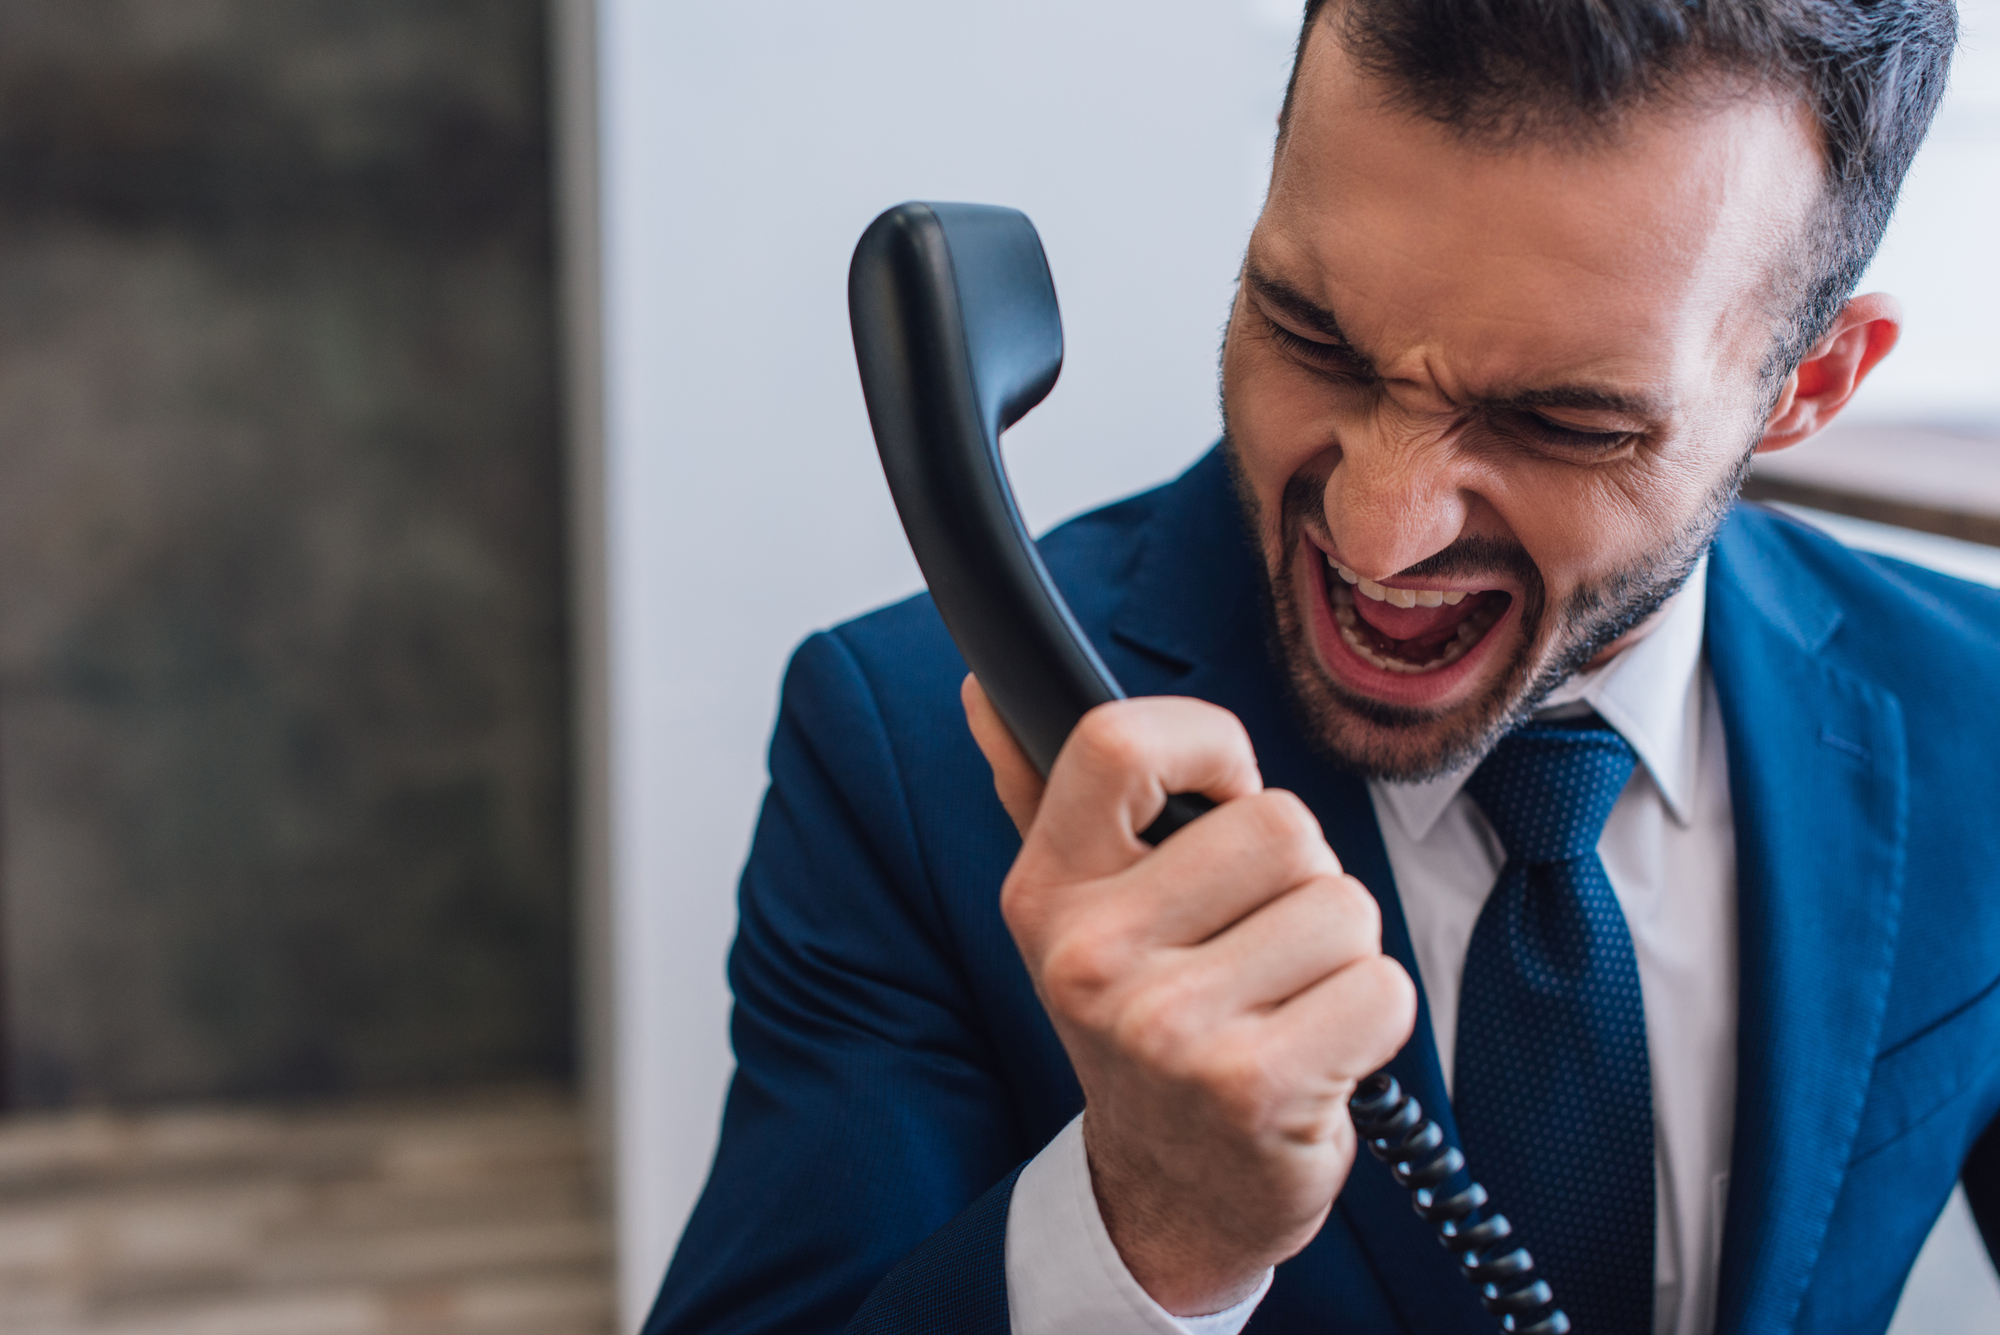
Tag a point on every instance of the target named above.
point(1553, 1090)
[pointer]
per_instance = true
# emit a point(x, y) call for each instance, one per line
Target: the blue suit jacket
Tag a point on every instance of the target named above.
point(895, 1069)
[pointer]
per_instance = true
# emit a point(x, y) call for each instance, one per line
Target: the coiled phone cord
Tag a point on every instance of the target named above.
point(1397, 1131)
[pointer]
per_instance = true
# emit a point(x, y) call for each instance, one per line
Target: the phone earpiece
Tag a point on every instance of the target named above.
point(958, 335)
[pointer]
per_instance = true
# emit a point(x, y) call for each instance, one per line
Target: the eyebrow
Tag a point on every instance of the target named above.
point(1585, 398)
point(1323, 322)
point(1313, 316)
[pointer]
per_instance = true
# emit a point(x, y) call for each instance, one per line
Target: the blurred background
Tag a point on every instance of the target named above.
point(425, 427)
point(285, 776)
point(282, 644)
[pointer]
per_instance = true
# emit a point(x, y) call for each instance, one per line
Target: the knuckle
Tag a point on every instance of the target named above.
point(1356, 908)
point(1337, 927)
point(1231, 735)
point(1330, 919)
point(1389, 993)
point(1286, 814)
point(1082, 965)
point(1160, 1028)
point(1286, 828)
point(1032, 902)
point(1017, 903)
point(1109, 739)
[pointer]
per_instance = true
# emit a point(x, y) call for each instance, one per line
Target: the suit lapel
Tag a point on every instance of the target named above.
point(1196, 618)
point(1818, 786)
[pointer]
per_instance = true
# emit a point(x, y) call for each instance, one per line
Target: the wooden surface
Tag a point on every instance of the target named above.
point(473, 1217)
point(1926, 478)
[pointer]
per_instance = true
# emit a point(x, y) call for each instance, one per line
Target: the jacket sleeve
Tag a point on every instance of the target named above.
point(865, 1115)
point(1982, 1187)
point(956, 1281)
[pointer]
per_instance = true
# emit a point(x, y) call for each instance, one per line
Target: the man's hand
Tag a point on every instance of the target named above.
point(1218, 996)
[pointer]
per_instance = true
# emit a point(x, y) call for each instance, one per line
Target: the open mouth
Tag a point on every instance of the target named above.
point(1411, 632)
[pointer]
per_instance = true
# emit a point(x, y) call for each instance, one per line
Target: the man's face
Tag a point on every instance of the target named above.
point(1487, 404)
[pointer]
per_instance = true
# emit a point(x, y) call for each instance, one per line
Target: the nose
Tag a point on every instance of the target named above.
point(1395, 498)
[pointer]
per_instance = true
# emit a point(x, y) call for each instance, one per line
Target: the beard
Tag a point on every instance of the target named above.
point(1408, 744)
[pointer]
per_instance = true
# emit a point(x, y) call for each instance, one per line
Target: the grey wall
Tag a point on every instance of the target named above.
point(282, 739)
point(1939, 256)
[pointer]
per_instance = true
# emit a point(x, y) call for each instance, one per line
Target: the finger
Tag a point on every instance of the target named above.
point(1290, 944)
point(1015, 777)
point(1116, 771)
point(1219, 870)
point(1348, 1024)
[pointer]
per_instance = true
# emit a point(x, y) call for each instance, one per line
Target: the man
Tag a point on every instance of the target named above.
point(1647, 839)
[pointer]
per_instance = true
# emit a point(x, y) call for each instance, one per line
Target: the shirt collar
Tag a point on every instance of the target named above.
point(1650, 693)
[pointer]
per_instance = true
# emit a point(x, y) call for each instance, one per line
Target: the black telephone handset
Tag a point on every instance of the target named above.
point(958, 335)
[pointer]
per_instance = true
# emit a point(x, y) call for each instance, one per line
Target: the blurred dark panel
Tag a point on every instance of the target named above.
point(282, 721)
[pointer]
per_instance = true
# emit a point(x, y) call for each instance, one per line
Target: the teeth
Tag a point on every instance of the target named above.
point(1397, 597)
point(1467, 634)
point(1453, 651)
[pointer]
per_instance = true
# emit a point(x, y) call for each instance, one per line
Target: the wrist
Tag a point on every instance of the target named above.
point(1177, 1240)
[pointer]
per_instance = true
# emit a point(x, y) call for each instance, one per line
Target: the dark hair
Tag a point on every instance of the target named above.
point(1872, 71)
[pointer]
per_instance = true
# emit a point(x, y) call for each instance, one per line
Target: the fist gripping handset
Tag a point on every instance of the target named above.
point(958, 336)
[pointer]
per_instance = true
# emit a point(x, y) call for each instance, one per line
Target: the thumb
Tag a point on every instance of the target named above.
point(1015, 777)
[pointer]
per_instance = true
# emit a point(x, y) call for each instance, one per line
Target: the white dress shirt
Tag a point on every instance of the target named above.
point(1669, 849)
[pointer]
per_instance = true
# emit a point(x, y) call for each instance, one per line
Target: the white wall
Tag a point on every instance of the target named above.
point(744, 146)
point(1940, 256)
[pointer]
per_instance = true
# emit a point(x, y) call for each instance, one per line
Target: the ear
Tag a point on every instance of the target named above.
point(1866, 329)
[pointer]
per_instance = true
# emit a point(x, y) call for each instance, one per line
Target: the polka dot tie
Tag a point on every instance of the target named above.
point(1553, 1091)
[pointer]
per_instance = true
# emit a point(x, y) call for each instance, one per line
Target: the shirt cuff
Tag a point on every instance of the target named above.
point(1064, 1274)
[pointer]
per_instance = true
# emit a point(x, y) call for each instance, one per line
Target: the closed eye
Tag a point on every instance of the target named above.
point(1549, 432)
point(1335, 358)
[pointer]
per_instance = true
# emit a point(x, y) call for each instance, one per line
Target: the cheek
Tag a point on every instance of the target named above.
point(1674, 487)
point(1281, 428)
point(1581, 526)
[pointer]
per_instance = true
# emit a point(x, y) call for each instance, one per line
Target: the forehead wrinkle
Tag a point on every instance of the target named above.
point(1695, 256)
point(1425, 362)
